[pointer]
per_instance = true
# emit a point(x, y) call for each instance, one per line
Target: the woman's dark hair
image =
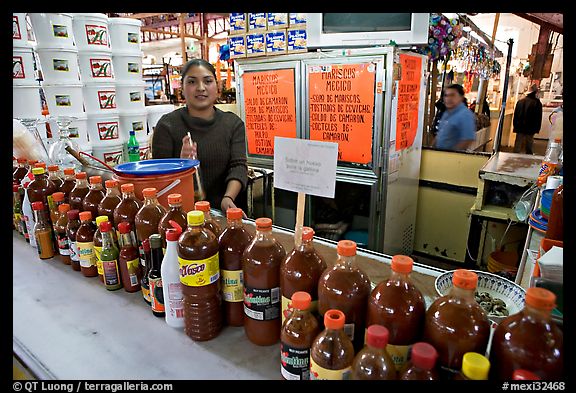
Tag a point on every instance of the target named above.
point(457, 87)
point(197, 63)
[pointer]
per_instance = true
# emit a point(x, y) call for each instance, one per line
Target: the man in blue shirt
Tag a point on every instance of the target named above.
point(457, 126)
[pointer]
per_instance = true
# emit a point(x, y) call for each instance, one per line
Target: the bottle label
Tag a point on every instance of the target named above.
point(287, 308)
point(175, 300)
point(45, 244)
point(317, 372)
point(547, 169)
point(98, 252)
point(146, 293)
point(349, 330)
point(399, 354)
point(86, 254)
point(63, 244)
point(262, 304)
point(156, 295)
point(132, 267)
point(51, 204)
point(232, 285)
point(198, 273)
point(110, 272)
point(74, 252)
point(295, 362)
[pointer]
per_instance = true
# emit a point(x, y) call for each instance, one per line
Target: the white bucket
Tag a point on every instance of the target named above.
point(133, 120)
point(110, 154)
point(127, 66)
point(23, 66)
point(52, 30)
point(100, 97)
point(19, 31)
point(64, 99)
point(59, 65)
point(79, 129)
point(155, 112)
point(91, 32)
point(130, 95)
point(103, 129)
point(124, 34)
point(96, 66)
point(26, 101)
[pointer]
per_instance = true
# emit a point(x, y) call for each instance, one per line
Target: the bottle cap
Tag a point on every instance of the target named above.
point(475, 366)
point(155, 241)
point(85, 216)
point(334, 319)
point(127, 187)
point(81, 175)
point(203, 206)
point(346, 248)
point(95, 179)
point(424, 356)
point(111, 183)
point(40, 164)
point(172, 235)
point(465, 279)
point(149, 192)
point(175, 225)
point(101, 219)
point(124, 227)
point(540, 298)
point(174, 198)
point(38, 171)
point(132, 132)
point(68, 171)
point(557, 140)
point(263, 223)
point(524, 375)
point(58, 196)
point(195, 217)
point(63, 208)
point(21, 160)
point(32, 162)
point(234, 213)
point(37, 205)
point(53, 168)
point(301, 300)
point(15, 187)
point(377, 336)
point(402, 264)
point(307, 233)
point(146, 245)
point(105, 226)
point(73, 214)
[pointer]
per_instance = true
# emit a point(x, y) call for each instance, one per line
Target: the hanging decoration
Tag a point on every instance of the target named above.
point(443, 36)
point(475, 59)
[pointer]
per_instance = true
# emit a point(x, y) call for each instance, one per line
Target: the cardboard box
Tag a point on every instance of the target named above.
point(255, 44)
point(237, 46)
point(238, 23)
point(276, 42)
point(257, 22)
point(297, 40)
point(297, 19)
point(277, 20)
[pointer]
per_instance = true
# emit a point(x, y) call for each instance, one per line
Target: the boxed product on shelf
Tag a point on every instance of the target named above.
point(277, 20)
point(238, 23)
point(257, 22)
point(297, 19)
point(297, 40)
point(237, 46)
point(255, 44)
point(276, 42)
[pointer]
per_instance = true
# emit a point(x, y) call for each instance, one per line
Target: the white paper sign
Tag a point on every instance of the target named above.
point(305, 166)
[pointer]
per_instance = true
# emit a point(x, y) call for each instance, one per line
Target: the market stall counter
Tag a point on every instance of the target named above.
point(67, 326)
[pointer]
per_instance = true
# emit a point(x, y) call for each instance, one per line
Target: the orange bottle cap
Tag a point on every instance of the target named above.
point(124, 227)
point(21, 160)
point(53, 168)
point(81, 175)
point(334, 319)
point(263, 223)
point(85, 216)
point(307, 233)
point(40, 165)
point(110, 183)
point(128, 187)
point(301, 300)
point(540, 298)
point(203, 206)
point(95, 179)
point(346, 248)
point(402, 264)
point(377, 336)
point(149, 192)
point(465, 279)
point(234, 213)
point(63, 208)
point(32, 162)
point(174, 198)
point(58, 196)
point(68, 171)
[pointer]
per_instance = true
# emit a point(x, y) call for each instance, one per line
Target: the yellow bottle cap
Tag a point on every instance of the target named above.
point(475, 366)
point(101, 219)
point(38, 171)
point(195, 217)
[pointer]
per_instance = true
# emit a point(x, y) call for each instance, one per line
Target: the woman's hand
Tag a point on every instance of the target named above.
point(228, 203)
point(189, 150)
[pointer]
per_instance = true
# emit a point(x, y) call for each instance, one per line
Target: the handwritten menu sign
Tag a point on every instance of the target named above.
point(270, 107)
point(341, 108)
point(408, 100)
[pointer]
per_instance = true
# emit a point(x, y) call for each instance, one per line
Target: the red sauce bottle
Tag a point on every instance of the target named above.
point(300, 271)
point(93, 197)
point(76, 196)
point(455, 324)
point(529, 340)
point(71, 229)
point(61, 236)
point(110, 201)
point(373, 362)
point(129, 260)
point(127, 208)
point(232, 243)
point(346, 287)
point(20, 171)
point(422, 365)
point(147, 218)
point(209, 222)
point(399, 306)
point(55, 175)
point(555, 229)
point(68, 184)
point(174, 213)
point(85, 244)
point(261, 268)
point(40, 189)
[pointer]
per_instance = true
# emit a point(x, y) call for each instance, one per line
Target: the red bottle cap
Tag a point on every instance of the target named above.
point(32, 162)
point(334, 319)
point(307, 233)
point(15, 187)
point(465, 279)
point(524, 375)
point(37, 205)
point(263, 223)
point(81, 175)
point(105, 226)
point(85, 216)
point(377, 336)
point(58, 196)
point(203, 206)
point(346, 248)
point(111, 183)
point(540, 298)
point(175, 225)
point(174, 198)
point(53, 168)
point(149, 192)
point(172, 235)
point(73, 214)
point(68, 171)
point(301, 300)
point(424, 356)
point(402, 264)
point(63, 208)
point(128, 187)
point(22, 160)
point(40, 165)
point(95, 179)
point(234, 213)
point(146, 245)
point(124, 227)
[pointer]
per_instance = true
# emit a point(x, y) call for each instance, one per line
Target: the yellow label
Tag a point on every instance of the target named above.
point(51, 204)
point(287, 307)
point(86, 254)
point(199, 273)
point(232, 285)
point(133, 265)
point(317, 372)
point(146, 294)
point(98, 252)
point(399, 354)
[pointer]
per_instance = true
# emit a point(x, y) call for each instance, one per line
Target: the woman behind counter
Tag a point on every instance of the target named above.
point(219, 138)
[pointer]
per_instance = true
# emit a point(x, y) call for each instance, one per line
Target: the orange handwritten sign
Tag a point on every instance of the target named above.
point(408, 100)
point(341, 108)
point(270, 108)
